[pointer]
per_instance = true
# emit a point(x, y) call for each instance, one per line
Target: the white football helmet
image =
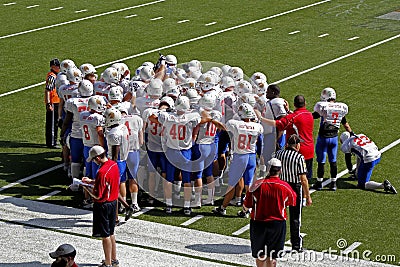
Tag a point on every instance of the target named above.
point(97, 103)
point(171, 60)
point(327, 94)
point(193, 96)
point(116, 93)
point(193, 66)
point(248, 98)
point(206, 82)
point(112, 116)
point(260, 87)
point(168, 84)
point(227, 82)
point(236, 73)
point(344, 136)
point(207, 101)
point(110, 75)
point(87, 68)
point(123, 70)
point(215, 76)
point(173, 92)
point(258, 76)
point(85, 88)
point(246, 111)
point(243, 87)
point(66, 64)
point(148, 63)
point(155, 88)
point(168, 100)
point(146, 74)
point(189, 83)
point(225, 70)
point(217, 70)
point(74, 75)
point(182, 103)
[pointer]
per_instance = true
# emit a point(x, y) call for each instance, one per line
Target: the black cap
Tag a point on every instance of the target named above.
point(63, 250)
point(294, 139)
point(55, 62)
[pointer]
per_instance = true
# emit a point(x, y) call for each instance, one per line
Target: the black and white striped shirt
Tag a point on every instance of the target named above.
point(293, 165)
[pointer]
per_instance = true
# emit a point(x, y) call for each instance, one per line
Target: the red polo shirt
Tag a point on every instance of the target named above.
point(106, 185)
point(269, 199)
point(304, 123)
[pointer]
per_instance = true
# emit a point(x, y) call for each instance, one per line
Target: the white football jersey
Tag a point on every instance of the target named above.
point(244, 135)
point(138, 88)
point(68, 91)
point(143, 103)
point(229, 102)
point(76, 106)
point(154, 130)
point(118, 136)
point(363, 147)
point(178, 129)
point(277, 107)
point(331, 113)
point(219, 102)
point(134, 124)
point(89, 123)
point(125, 105)
point(61, 80)
point(207, 131)
point(101, 88)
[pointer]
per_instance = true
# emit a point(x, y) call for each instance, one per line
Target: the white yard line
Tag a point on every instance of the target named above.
point(351, 248)
point(31, 177)
point(338, 59)
point(9, 4)
point(183, 21)
point(211, 23)
point(49, 195)
point(265, 29)
point(143, 211)
point(323, 35)
point(353, 38)
point(80, 11)
point(33, 6)
point(157, 18)
point(180, 43)
point(241, 230)
point(192, 220)
point(56, 8)
point(294, 32)
point(81, 19)
point(131, 16)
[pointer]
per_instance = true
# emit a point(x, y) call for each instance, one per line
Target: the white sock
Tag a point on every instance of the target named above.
point(320, 179)
point(177, 186)
point(263, 168)
point(333, 179)
point(134, 197)
point(210, 194)
point(186, 204)
point(197, 197)
point(168, 201)
point(217, 181)
point(371, 185)
point(238, 199)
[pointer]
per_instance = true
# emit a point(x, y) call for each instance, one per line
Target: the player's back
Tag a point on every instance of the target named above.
point(118, 136)
point(101, 88)
point(244, 135)
point(143, 103)
point(89, 123)
point(364, 147)
point(207, 131)
point(134, 124)
point(76, 106)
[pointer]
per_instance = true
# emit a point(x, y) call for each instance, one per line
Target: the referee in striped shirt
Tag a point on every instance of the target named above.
point(294, 173)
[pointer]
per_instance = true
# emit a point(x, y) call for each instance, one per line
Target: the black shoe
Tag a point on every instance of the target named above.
point(389, 187)
point(168, 209)
point(128, 213)
point(219, 210)
point(121, 210)
point(243, 214)
point(317, 186)
point(332, 186)
point(187, 211)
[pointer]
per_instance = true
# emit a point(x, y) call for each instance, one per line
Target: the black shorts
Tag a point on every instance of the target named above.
point(104, 216)
point(267, 239)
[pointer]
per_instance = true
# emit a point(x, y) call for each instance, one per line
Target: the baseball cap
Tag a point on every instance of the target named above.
point(62, 250)
point(55, 62)
point(294, 139)
point(94, 152)
point(274, 162)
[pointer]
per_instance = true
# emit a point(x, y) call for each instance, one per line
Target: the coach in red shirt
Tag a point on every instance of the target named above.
point(105, 195)
point(300, 122)
point(268, 198)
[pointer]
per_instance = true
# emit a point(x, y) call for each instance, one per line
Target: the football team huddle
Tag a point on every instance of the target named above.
point(184, 124)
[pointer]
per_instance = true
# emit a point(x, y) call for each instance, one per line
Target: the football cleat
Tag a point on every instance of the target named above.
point(243, 214)
point(332, 186)
point(389, 187)
point(187, 211)
point(128, 213)
point(317, 186)
point(168, 209)
point(208, 202)
point(219, 210)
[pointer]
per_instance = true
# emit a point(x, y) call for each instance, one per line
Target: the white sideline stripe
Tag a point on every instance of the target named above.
point(81, 19)
point(192, 220)
point(131, 16)
point(80, 11)
point(393, 144)
point(211, 23)
point(157, 18)
point(265, 29)
point(49, 195)
point(31, 177)
point(353, 38)
point(9, 4)
point(180, 43)
point(242, 230)
point(32, 6)
point(183, 21)
point(351, 248)
point(56, 8)
point(339, 58)
point(323, 35)
point(294, 32)
point(143, 211)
